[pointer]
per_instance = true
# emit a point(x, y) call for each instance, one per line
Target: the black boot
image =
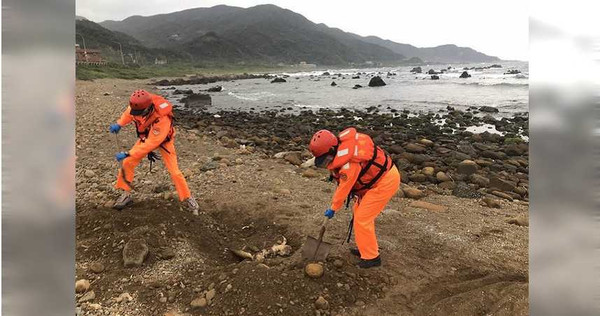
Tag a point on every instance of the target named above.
point(370, 263)
point(355, 252)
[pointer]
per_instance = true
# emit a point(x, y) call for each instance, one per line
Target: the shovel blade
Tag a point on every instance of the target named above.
point(311, 245)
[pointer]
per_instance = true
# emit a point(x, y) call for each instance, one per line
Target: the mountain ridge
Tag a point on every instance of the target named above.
point(272, 34)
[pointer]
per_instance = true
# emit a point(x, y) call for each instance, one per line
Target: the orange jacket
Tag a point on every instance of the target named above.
point(153, 129)
point(354, 167)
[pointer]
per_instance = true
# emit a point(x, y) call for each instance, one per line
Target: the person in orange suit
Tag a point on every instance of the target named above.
point(153, 118)
point(364, 171)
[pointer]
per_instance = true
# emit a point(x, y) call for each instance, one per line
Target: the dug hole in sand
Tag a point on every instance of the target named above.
point(466, 259)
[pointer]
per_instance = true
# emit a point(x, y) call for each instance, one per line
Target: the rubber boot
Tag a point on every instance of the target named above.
point(365, 264)
point(355, 252)
point(123, 201)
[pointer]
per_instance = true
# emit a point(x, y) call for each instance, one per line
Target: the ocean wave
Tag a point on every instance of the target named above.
point(494, 84)
point(256, 96)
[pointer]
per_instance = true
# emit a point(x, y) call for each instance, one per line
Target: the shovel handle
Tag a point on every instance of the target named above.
point(325, 221)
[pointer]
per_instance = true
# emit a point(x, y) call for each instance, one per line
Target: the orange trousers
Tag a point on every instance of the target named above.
point(169, 160)
point(368, 207)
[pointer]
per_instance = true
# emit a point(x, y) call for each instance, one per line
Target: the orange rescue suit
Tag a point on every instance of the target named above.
point(365, 170)
point(155, 131)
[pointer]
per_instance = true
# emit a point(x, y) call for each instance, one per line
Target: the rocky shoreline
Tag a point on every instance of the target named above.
point(432, 151)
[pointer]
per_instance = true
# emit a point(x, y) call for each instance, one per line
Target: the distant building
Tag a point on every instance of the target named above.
point(88, 56)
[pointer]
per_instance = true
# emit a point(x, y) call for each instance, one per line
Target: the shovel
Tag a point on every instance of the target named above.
point(315, 249)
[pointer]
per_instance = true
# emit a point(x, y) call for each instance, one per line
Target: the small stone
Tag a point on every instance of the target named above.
point(166, 253)
point(90, 173)
point(310, 173)
point(314, 270)
point(199, 302)
point(429, 206)
point(124, 297)
point(134, 253)
point(426, 142)
point(97, 267)
point(359, 303)
point(412, 193)
point(89, 296)
point(162, 299)
point(82, 285)
point(414, 148)
point(442, 177)
point(211, 294)
point(321, 303)
point(519, 221)
point(338, 263)
point(489, 202)
point(428, 171)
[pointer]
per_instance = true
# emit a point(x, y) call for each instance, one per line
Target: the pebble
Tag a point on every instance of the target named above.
point(321, 303)
point(338, 263)
point(90, 173)
point(489, 202)
point(82, 286)
point(314, 270)
point(89, 296)
point(199, 302)
point(97, 267)
point(210, 294)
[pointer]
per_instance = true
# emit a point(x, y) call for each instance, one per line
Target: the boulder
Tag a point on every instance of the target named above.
point(416, 70)
point(215, 89)
point(82, 286)
point(278, 80)
point(134, 253)
point(512, 72)
point(465, 75)
point(488, 109)
point(376, 82)
point(357, 86)
point(314, 270)
point(480, 180)
point(414, 148)
point(333, 84)
point(435, 77)
point(502, 184)
point(197, 100)
point(432, 72)
point(418, 177)
point(467, 167)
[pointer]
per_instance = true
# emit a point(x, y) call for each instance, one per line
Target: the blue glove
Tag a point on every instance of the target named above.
point(115, 128)
point(121, 155)
point(329, 213)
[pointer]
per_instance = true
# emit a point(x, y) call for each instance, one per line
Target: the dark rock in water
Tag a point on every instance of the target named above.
point(432, 72)
point(376, 82)
point(463, 190)
point(333, 84)
point(435, 77)
point(189, 91)
point(465, 75)
point(215, 89)
point(416, 70)
point(357, 86)
point(488, 109)
point(496, 66)
point(355, 77)
point(276, 80)
point(325, 74)
point(197, 100)
point(512, 72)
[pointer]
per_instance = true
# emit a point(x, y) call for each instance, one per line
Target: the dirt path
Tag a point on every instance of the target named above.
point(466, 260)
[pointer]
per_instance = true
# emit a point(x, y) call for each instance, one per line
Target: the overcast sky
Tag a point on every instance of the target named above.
point(498, 28)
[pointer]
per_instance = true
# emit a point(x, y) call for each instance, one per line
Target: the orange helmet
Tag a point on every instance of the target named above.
point(139, 101)
point(323, 142)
